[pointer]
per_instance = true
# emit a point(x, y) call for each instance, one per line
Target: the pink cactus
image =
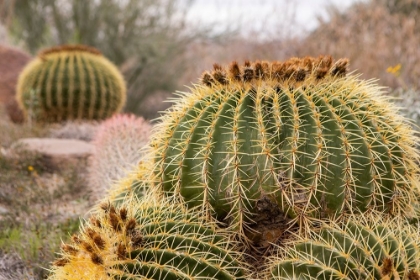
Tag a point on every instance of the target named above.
point(118, 143)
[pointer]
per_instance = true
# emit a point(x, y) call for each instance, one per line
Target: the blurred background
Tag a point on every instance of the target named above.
point(162, 45)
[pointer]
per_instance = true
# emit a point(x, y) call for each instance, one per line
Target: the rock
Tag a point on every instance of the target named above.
point(12, 61)
point(57, 153)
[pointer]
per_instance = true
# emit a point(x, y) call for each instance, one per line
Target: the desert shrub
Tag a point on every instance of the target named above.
point(374, 35)
point(409, 102)
point(118, 142)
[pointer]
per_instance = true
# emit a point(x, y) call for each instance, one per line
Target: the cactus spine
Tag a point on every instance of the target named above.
point(368, 248)
point(70, 82)
point(301, 133)
point(148, 239)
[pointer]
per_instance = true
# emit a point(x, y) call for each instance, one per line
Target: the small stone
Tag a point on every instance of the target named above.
point(56, 153)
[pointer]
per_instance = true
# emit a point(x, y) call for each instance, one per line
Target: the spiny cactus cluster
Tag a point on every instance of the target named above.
point(70, 82)
point(362, 248)
point(270, 151)
point(118, 142)
point(148, 239)
point(300, 133)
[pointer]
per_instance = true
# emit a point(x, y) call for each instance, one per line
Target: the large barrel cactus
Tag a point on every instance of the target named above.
point(148, 239)
point(364, 248)
point(300, 137)
point(70, 82)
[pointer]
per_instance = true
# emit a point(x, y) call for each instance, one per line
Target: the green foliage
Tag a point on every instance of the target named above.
point(300, 133)
point(153, 239)
point(70, 82)
point(363, 248)
point(35, 244)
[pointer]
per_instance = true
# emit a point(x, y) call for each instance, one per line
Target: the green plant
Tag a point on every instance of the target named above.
point(148, 239)
point(34, 244)
point(369, 247)
point(300, 135)
point(70, 82)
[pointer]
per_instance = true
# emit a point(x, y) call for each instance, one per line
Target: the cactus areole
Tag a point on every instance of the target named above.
point(70, 82)
point(302, 134)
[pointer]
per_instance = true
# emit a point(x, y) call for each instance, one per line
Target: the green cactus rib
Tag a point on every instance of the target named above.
point(149, 239)
point(302, 133)
point(363, 248)
point(70, 82)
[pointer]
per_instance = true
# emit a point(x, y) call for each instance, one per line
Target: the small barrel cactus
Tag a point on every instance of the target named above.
point(363, 248)
point(70, 82)
point(301, 137)
point(118, 144)
point(148, 239)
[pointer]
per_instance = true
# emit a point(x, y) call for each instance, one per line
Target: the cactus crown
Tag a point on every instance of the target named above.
point(302, 134)
point(292, 71)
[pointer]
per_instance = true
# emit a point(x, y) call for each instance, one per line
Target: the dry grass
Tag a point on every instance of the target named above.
point(374, 38)
point(39, 207)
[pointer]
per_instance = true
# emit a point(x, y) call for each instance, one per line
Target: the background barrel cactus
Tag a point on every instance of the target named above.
point(299, 137)
point(149, 239)
point(363, 248)
point(70, 82)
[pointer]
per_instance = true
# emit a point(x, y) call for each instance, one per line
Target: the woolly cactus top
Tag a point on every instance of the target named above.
point(293, 71)
point(69, 48)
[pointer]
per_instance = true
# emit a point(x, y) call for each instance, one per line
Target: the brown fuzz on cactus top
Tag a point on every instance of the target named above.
point(69, 48)
point(294, 70)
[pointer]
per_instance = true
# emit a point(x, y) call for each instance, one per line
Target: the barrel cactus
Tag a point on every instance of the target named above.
point(70, 82)
point(363, 248)
point(148, 239)
point(300, 137)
